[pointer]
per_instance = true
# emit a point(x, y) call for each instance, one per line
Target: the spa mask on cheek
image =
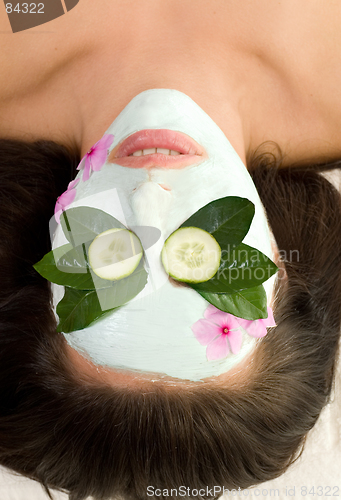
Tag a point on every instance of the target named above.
point(169, 327)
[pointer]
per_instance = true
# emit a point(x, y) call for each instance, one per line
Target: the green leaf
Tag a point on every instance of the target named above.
point(82, 224)
point(72, 268)
point(47, 264)
point(79, 308)
point(48, 268)
point(248, 304)
point(60, 251)
point(245, 267)
point(124, 290)
point(73, 261)
point(227, 219)
point(76, 261)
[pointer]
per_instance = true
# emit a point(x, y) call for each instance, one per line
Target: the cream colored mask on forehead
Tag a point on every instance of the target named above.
point(153, 332)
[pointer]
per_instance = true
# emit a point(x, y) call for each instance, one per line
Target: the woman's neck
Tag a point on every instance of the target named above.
point(259, 71)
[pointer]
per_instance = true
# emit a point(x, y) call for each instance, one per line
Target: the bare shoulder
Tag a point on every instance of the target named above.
point(28, 58)
point(42, 66)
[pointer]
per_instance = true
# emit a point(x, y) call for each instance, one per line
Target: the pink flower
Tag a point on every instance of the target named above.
point(223, 332)
point(65, 199)
point(257, 328)
point(220, 331)
point(96, 156)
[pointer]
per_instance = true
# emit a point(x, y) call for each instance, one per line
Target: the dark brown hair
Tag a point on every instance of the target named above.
point(89, 439)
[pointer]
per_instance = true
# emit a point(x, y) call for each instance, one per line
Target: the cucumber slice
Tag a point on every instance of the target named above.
point(191, 254)
point(115, 254)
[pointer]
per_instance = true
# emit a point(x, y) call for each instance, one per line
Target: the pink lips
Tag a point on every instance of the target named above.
point(191, 151)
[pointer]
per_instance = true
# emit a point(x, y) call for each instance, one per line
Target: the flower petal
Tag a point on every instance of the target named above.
point(66, 198)
point(81, 163)
point(224, 319)
point(73, 184)
point(86, 173)
point(233, 322)
point(105, 142)
point(235, 339)
point(205, 331)
point(58, 212)
point(220, 318)
point(245, 323)
point(256, 328)
point(210, 310)
point(98, 158)
point(218, 348)
point(57, 215)
point(63, 202)
point(269, 321)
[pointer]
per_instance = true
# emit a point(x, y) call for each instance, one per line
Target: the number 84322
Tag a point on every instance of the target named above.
point(25, 8)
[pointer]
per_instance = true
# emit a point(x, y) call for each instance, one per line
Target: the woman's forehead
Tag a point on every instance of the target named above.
point(83, 368)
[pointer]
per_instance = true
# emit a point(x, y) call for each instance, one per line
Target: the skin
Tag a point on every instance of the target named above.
point(83, 368)
point(263, 71)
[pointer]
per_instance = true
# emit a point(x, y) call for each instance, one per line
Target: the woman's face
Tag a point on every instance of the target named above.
point(152, 332)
